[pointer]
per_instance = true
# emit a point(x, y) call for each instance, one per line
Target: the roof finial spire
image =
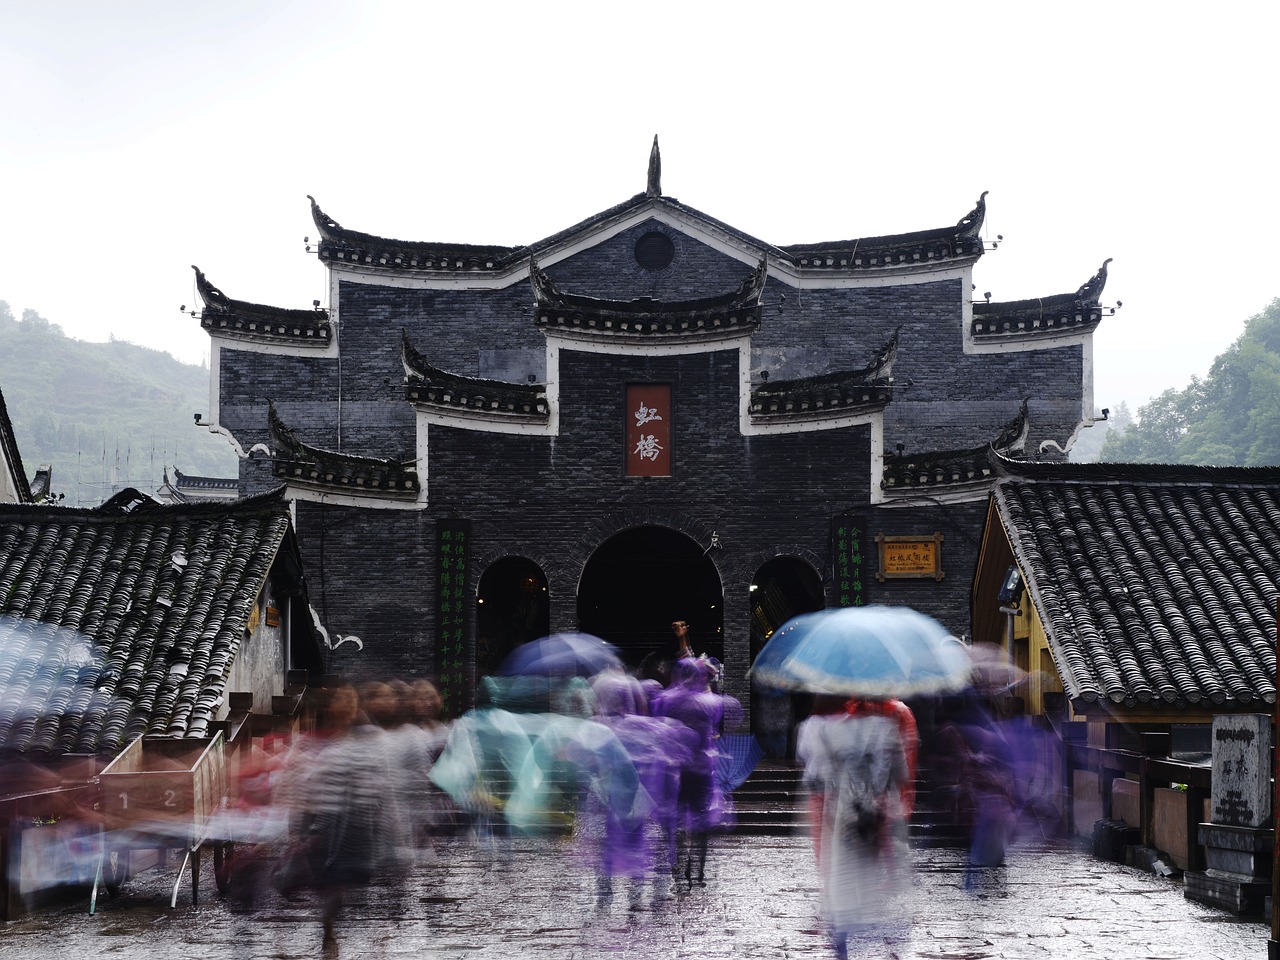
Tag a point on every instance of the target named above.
point(654, 187)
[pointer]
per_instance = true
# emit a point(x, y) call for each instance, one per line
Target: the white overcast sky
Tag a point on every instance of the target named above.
point(139, 138)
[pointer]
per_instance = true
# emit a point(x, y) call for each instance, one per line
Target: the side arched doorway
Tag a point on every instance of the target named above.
point(782, 588)
point(511, 608)
point(639, 582)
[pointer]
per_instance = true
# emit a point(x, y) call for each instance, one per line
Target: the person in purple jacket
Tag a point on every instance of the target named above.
point(701, 803)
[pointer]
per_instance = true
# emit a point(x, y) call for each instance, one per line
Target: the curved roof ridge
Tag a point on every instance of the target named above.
point(428, 384)
point(336, 241)
point(746, 295)
point(1086, 296)
point(256, 321)
point(842, 391)
point(936, 468)
point(1149, 473)
point(1078, 312)
point(960, 240)
point(196, 478)
point(730, 314)
point(294, 460)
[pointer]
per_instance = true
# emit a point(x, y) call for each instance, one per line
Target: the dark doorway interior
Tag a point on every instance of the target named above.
point(782, 588)
point(640, 581)
point(511, 609)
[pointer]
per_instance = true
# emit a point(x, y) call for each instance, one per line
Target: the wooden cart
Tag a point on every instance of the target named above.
point(161, 794)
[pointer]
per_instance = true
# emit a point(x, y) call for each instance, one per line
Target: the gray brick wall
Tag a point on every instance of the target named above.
point(371, 573)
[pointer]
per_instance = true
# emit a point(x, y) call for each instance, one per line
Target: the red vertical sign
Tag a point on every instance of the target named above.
point(648, 430)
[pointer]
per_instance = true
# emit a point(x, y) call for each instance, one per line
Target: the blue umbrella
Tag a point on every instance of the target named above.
point(874, 652)
point(561, 655)
point(767, 670)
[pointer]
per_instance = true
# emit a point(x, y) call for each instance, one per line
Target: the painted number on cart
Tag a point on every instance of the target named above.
point(170, 799)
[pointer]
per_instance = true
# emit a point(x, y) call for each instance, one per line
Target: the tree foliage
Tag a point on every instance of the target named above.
point(103, 415)
point(1231, 417)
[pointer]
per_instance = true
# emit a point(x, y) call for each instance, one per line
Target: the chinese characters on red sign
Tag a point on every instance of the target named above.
point(648, 430)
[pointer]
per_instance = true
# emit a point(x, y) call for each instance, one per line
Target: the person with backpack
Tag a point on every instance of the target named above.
point(855, 765)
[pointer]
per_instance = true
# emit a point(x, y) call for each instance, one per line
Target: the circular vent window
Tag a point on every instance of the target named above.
point(655, 251)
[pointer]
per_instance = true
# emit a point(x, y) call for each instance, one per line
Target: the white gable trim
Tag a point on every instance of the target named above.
point(723, 241)
point(373, 501)
point(329, 351)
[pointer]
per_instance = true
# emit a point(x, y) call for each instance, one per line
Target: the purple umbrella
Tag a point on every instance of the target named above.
point(561, 655)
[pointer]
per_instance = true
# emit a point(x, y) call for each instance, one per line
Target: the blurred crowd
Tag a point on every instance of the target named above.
point(627, 775)
point(621, 775)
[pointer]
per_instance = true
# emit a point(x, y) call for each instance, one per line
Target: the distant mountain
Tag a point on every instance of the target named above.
point(104, 416)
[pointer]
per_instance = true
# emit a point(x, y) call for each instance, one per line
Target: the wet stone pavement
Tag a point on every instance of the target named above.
point(761, 900)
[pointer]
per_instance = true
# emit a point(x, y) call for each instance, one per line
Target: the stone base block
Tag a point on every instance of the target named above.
point(1243, 852)
point(1243, 898)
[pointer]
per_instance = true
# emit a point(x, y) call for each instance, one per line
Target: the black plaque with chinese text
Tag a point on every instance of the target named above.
point(847, 540)
point(453, 547)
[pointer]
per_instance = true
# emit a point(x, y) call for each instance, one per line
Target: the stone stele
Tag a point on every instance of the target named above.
point(1241, 794)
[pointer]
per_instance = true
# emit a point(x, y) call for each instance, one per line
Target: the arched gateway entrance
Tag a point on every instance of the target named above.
point(640, 581)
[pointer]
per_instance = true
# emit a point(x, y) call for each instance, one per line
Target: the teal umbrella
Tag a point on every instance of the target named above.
point(875, 652)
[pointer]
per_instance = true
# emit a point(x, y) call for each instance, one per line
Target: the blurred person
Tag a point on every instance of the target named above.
point(337, 791)
point(432, 811)
point(579, 782)
point(381, 704)
point(857, 762)
point(659, 748)
point(257, 821)
point(486, 750)
point(683, 647)
point(901, 714)
point(702, 805)
point(976, 763)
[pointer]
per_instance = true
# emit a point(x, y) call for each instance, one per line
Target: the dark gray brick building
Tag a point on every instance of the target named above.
point(647, 416)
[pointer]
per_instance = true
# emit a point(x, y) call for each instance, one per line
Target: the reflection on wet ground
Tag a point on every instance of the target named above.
point(761, 898)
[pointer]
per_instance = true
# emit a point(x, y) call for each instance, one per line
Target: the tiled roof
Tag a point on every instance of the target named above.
point(253, 321)
point(10, 458)
point(1077, 312)
point(1156, 584)
point(190, 481)
point(851, 391)
point(342, 245)
point(648, 319)
point(432, 387)
point(125, 619)
point(298, 462)
point(188, 488)
point(903, 249)
point(961, 241)
point(910, 472)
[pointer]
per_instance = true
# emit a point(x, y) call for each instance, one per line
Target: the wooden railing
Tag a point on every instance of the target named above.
point(1152, 768)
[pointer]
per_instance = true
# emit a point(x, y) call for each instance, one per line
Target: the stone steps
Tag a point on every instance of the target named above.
point(773, 801)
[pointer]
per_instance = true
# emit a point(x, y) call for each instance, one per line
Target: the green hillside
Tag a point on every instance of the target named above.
point(104, 415)
point(1230, 418)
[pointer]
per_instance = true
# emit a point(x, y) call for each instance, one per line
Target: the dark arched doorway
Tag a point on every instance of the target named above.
point(782, 588)
point(511, 609)
point(640, 581)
